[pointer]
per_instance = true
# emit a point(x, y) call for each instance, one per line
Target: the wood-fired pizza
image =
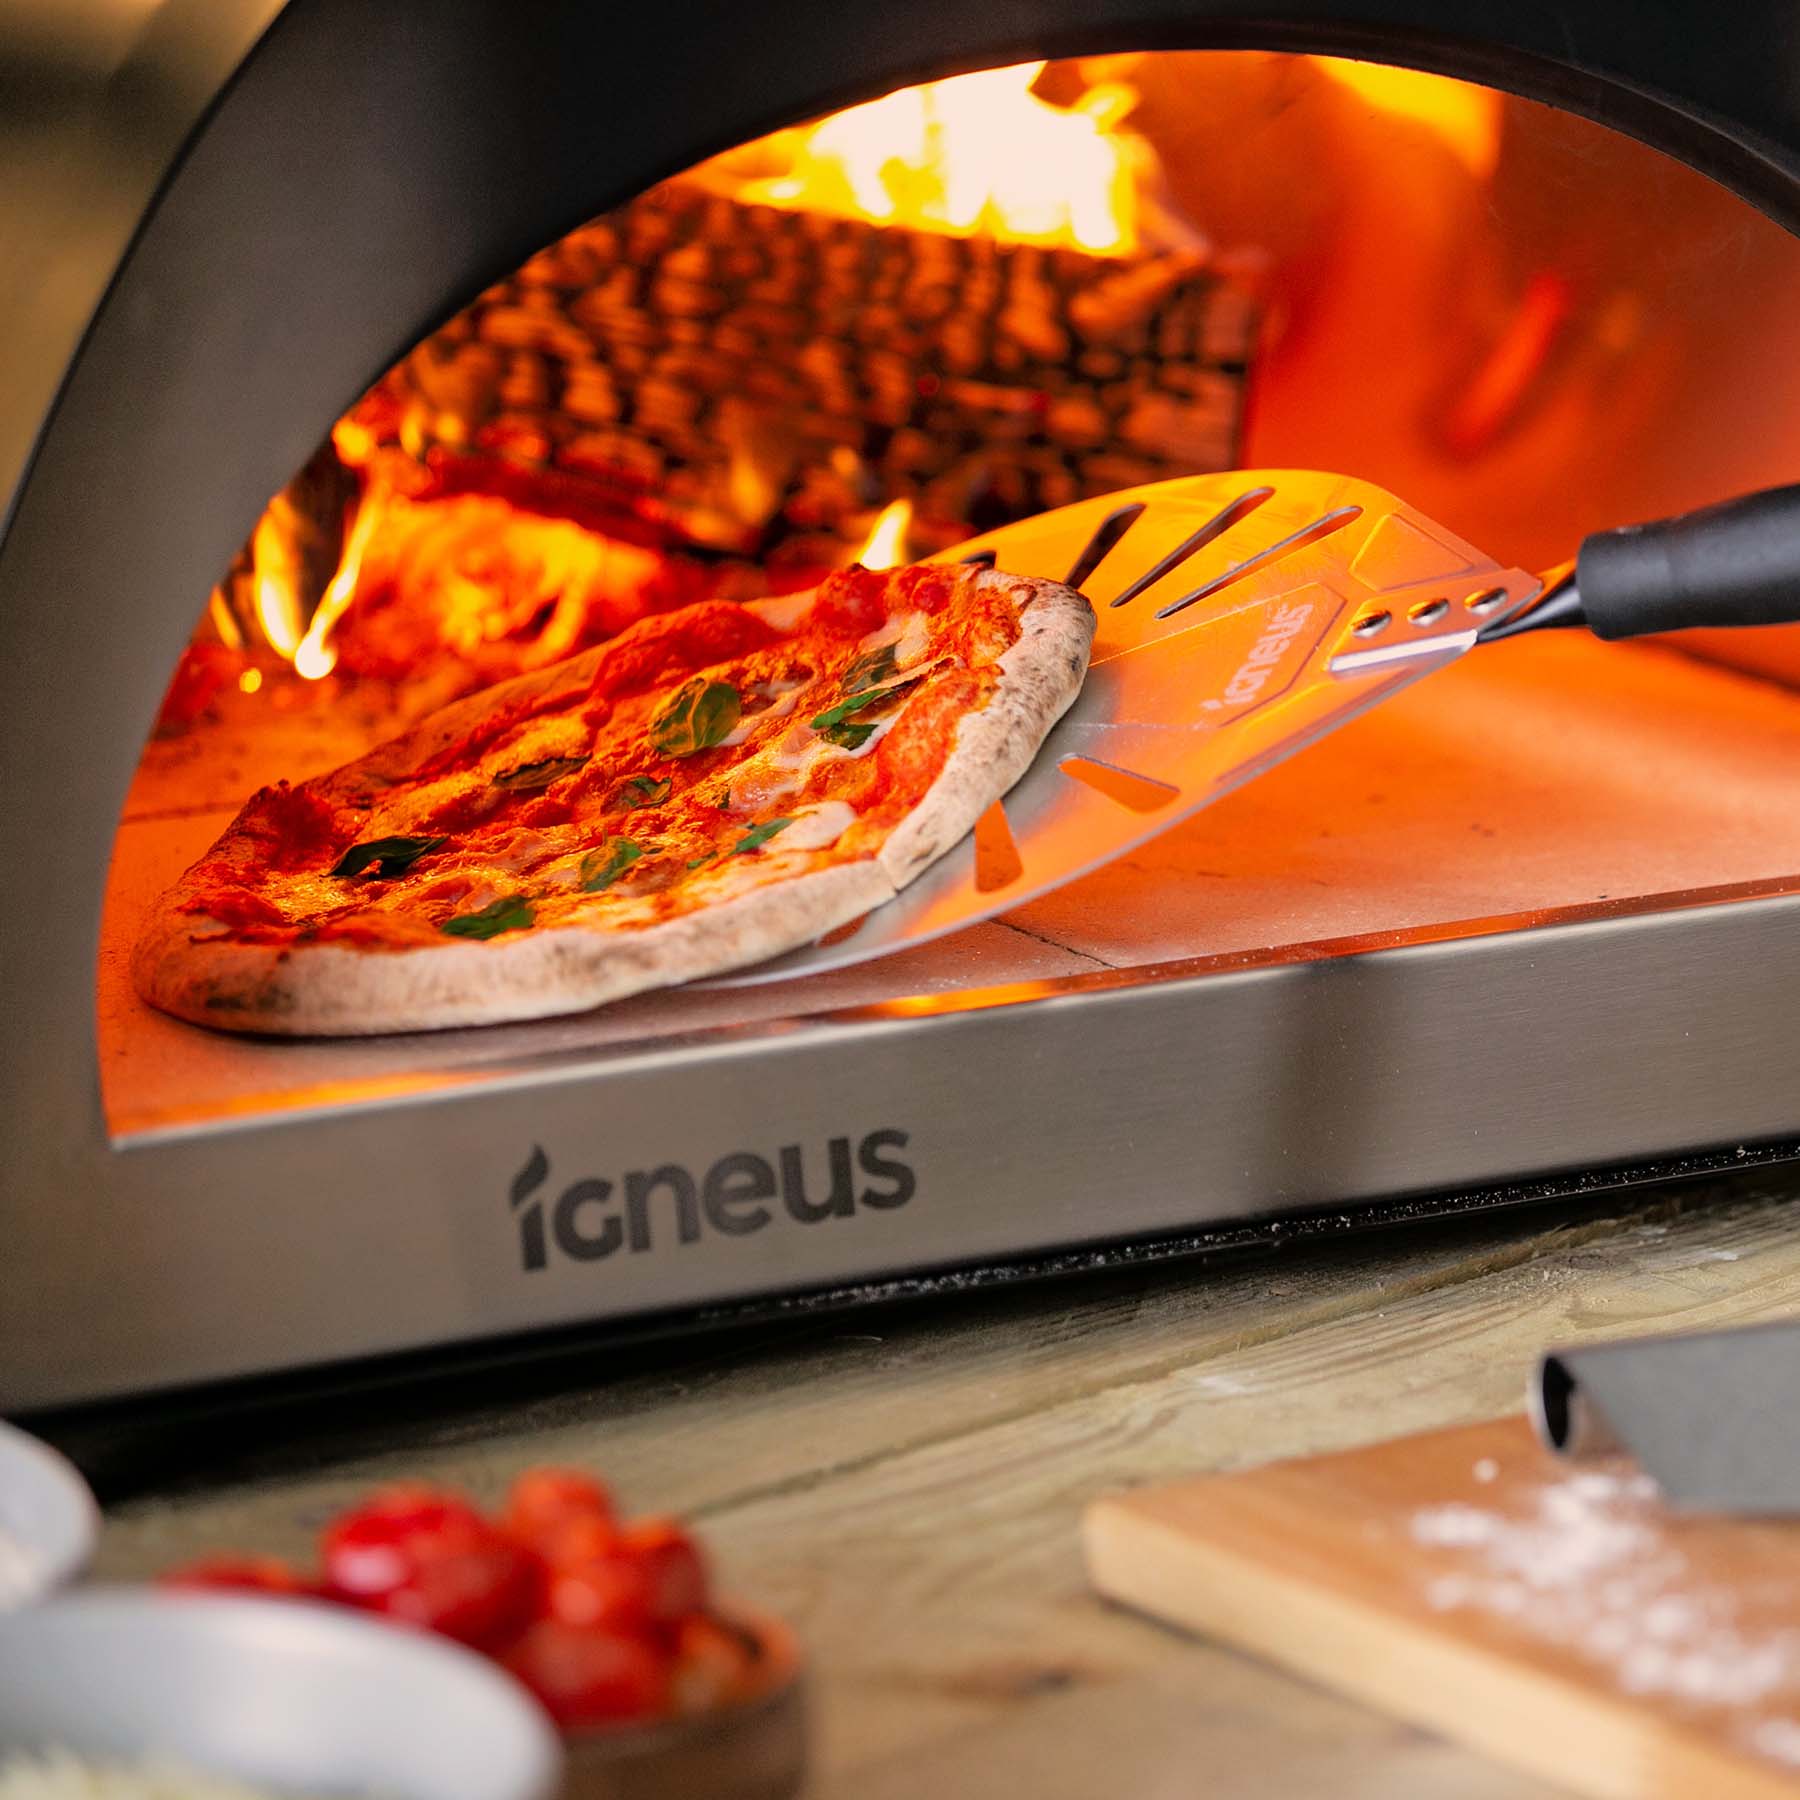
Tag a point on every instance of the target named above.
point(708, 789)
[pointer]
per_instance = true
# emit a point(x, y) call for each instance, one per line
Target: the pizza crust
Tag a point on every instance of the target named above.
point(339, 990)
point(1039, 678)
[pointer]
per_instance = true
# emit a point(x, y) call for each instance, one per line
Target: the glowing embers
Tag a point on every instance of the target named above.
point(977, 152)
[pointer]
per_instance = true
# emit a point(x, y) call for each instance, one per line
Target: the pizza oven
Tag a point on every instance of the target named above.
point(359, 357)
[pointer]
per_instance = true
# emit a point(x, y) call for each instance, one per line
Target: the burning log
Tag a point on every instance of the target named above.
point(647, 371)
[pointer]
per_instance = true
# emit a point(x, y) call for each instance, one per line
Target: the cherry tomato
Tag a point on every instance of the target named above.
point(580, 1540)
point(239, 1574)
point(481, 1597)
point(614, 1592)
point(586, 1678)
point(674, 1564)
point(543, 1501)
point(712, 1665)
point(374, 1547)
point(429, 1558)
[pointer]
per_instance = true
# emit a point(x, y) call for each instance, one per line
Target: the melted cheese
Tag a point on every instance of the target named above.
point(816, 827)
point(781, 697)
point(914, 640)
point(518, 852)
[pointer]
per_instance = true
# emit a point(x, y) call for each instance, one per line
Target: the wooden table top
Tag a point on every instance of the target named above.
point(905, 1485)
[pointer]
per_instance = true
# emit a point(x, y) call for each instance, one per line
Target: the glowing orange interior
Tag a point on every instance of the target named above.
point(1490, 307)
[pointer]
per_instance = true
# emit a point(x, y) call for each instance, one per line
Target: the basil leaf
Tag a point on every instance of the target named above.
point(851, 735)
point(389, 856)
point(872, 669)
point(510, 913)
point(700, 862)
point(539, 774)
point(601, 868)
point(642, 790)
point(830, 724)
point(836, 715)
point(755, 838)
point(702, 714)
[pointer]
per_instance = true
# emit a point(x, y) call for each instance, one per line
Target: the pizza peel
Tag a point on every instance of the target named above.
point(1242, 617)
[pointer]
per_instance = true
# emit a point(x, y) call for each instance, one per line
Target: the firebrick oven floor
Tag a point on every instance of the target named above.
point(906, 1487)
point(1544, 773)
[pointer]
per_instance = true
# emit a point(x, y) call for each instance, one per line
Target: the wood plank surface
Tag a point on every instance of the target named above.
point(907, 1486)
point(1554, 1616)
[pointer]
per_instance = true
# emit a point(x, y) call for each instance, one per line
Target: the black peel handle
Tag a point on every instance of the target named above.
point(1735, 564)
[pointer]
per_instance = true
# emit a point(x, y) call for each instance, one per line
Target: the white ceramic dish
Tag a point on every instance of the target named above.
point(48, 1519)
point(290, 1696)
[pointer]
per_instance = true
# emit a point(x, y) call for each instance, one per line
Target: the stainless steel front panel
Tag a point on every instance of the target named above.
point(1114, 1107)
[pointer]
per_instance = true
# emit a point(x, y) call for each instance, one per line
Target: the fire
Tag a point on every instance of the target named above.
point(1466, 118)
point(468, 580)
point(975, 153)
point(314, 656)
point(372, 565)
point(275, 554)
point(885, 547)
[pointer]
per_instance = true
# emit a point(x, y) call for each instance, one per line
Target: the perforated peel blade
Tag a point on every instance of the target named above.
point(1241, 617)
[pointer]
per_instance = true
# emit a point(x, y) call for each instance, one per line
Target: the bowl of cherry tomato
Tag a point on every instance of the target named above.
point(657, 1687)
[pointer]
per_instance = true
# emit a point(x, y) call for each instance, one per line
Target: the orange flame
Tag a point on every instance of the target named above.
point(975, 153)
point(278, 577)
point(314, 656)
point(885, 547)
point(471, 578)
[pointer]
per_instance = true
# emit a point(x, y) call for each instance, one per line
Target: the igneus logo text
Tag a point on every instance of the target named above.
point(738, 1195)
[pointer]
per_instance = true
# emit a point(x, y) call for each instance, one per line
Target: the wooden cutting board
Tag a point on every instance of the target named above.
point(1552, 1615)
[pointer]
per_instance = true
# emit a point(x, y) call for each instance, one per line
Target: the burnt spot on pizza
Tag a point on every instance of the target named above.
point(263, 1000)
